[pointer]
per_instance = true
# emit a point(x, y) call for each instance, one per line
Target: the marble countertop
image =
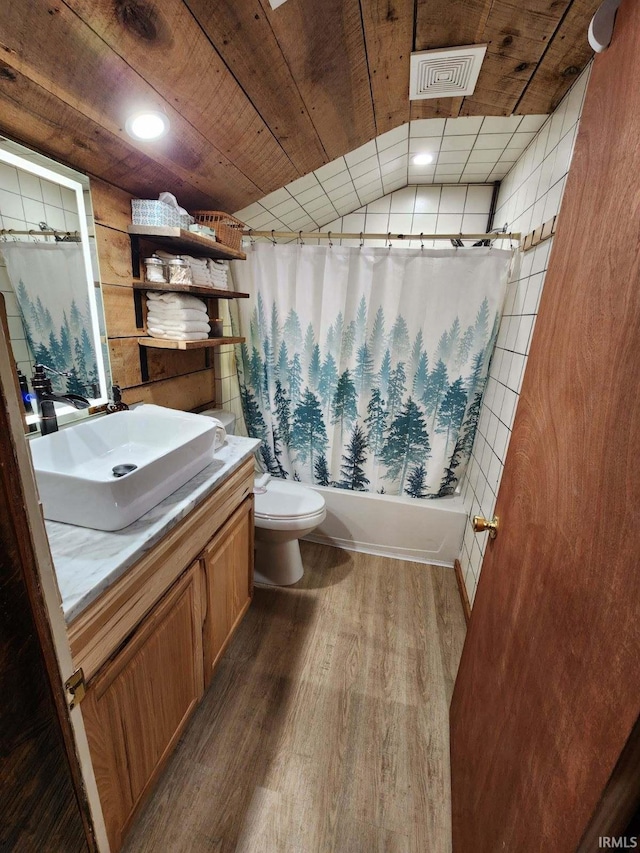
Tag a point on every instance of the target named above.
point(88, 561)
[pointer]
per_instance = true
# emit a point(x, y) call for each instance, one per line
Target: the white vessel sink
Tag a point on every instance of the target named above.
point(75, 466)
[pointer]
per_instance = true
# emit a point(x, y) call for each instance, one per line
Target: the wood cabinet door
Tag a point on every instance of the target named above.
point(548, 688)
point(139, 703)
point(228, 568)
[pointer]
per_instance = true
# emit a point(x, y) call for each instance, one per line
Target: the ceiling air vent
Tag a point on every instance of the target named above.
point(445, 73)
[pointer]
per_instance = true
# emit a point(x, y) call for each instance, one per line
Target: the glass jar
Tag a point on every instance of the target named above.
point(154, 270)
point(179, 271)
point(216, 328)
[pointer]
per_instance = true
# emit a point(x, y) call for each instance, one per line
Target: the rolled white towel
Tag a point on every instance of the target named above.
point(177, 336)
point(177, 300)
point(180, 326)
point(168, 313)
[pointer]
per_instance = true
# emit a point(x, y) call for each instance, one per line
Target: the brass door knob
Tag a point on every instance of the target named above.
point(480, 524)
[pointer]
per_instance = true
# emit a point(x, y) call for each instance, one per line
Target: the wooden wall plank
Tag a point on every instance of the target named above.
point(449, 23)
point(119, 311)
point(436, 108)
point(517, 36)
point(388, 29)
point(124, 354)
point(173, 59)
point(245, 41)
point(101, 86)
point(114, 255)
point(183, 392)
point(564, 59)
point(323, 45)
point(32, 115)
point(111, 205)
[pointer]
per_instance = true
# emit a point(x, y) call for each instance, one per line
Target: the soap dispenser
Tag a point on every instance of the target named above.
point(116, 405)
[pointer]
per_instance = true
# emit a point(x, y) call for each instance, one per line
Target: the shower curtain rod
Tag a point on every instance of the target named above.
point(513, 236)
point(10, 232)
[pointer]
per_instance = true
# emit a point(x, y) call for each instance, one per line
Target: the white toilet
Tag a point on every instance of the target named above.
point(285, 512)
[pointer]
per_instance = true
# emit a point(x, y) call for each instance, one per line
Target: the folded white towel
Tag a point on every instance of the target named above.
point(168, 313)
point(178, 300)
point(177, 336)
point(180, 326)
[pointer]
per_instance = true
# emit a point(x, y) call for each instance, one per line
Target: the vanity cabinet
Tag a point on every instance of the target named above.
point(228, 585)
point(138, 705)
point(150, 643)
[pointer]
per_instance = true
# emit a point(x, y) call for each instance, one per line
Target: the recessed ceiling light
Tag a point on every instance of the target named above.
point(422, 159)
point(147, 125)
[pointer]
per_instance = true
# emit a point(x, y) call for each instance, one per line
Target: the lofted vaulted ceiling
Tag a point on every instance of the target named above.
point(259, 97)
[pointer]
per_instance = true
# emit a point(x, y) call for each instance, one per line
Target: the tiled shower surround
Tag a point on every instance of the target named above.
point(530, 194)
point(412, 209)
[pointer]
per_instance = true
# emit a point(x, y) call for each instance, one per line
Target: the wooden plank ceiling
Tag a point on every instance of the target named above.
point(258, 97)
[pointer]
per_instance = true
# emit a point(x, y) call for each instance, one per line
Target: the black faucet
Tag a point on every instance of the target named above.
point(45, 398)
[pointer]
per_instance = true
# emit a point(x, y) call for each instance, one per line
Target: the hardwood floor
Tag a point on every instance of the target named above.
point(325, 727)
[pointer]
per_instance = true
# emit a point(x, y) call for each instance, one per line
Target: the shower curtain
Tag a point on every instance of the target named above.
point(364, 368)
point(50, 284)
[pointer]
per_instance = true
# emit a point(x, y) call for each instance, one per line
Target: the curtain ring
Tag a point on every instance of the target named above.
point(510, 240)
point(361, 240)
point(421, 240)
point(388, 240)
point(251, 238)
point(300, 240)
point(32, 233)
point(273, 239)
point(329, 239)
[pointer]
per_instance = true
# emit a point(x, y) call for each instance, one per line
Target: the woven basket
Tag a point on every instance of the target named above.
point(228, 229)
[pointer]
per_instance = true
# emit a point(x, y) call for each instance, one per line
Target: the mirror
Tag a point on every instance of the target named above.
point(50, 280)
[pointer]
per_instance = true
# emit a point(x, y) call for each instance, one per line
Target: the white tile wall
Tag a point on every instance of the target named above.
point(472, 150)
point(530, 194)
point(419, 209)
point(412, 209)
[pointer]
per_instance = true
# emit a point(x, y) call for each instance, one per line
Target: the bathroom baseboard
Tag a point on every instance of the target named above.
point(462, 589)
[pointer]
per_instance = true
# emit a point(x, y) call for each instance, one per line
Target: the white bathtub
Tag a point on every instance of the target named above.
point(424, 531)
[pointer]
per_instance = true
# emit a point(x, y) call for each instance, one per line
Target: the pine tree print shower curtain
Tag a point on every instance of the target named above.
point(364, 368)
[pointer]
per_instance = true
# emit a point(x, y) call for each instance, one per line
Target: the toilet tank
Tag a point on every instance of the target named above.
point(227, 419)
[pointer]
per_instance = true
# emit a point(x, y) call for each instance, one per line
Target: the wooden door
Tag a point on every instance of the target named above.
point(137, 706)
point(228, 566)
point(42, 799)
point(548, 688)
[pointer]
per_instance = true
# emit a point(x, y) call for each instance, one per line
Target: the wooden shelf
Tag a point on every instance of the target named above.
point(163, 343)
point(185, 242)
point(194, 289)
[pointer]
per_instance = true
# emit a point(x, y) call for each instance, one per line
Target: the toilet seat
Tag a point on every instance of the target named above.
point(288, 505)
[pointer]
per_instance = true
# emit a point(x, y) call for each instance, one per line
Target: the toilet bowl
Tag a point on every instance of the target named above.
point(284, 513)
